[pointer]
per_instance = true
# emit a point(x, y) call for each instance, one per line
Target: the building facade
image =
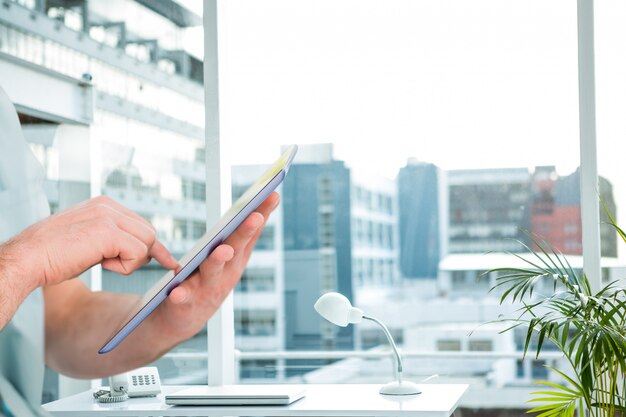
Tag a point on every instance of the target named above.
point(419, 200)
point(317, 248)
point(113, 104)
point(556, 212)
point(488, 210)
point(374, 231)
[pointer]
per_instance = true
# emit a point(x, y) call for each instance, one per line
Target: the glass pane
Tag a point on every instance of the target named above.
point(145, 145)
point(610, 105)
point(434, 136)
point(152, 153)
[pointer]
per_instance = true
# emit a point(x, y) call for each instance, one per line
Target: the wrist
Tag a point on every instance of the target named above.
point(15, 283)
point(16, 269)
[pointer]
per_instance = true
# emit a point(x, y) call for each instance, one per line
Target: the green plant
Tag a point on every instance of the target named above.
point(588, 328)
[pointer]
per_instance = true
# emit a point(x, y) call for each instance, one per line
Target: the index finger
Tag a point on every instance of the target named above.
point(159, 252)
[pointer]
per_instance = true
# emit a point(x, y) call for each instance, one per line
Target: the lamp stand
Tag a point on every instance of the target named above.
point(400, 388)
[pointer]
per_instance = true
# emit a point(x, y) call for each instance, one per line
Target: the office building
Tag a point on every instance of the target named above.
point(318, 247)
point(420, 195)
point(500, 209)
point(113, 104)
point(374, 231)
point(556, 212)
point(488, 210)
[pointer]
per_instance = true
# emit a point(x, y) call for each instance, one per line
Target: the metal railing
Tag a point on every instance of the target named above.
point(362, 354)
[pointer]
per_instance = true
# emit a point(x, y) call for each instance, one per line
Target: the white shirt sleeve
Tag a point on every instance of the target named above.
point(22, 198)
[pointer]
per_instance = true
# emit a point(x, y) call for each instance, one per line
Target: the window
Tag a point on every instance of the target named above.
point(494, 160)
point(267, 239)
point(480, 345)
point(539, 369)
point(448, 345)
point(180, 229)
point(257, 279)
point(570, 228)
point(415, 249)
point(255, 322)
point(519, 368)
point(458, 278)
point(198, 229)
point(258, 369)
point(194, 190)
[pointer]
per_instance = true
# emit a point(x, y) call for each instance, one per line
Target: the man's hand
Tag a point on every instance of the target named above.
point(191, 304)
point(96, 231)
point(75, 316)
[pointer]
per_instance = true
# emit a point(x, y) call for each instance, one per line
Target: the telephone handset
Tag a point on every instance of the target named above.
point(142, 382)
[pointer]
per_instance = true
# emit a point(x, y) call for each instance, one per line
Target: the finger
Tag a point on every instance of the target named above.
point(209, 277)
point(211, 268)
point(142, 231)
point(265, 209)
point(159, 252)
point(244, 232)
point(86, 208)
point(270, 203)
point(123, 209)
point(247, 251)
point(180, 295)
point(125, 253)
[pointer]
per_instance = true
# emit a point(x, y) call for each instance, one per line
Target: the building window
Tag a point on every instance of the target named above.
point(480, 345)
point(449, 345)
point(180, 229)
point(238, 190)
point(539, 369)
point(327, 229)
point(519, 368)
point(193, 190)
point(266, 240)
point(570, 228)
point(482, 278)
point(255, 322)
point(198, 191)
point(198, 229)
point(258, 369)
point(257, 279)
point(325, 190)
point(374, 337)
point(458, 278)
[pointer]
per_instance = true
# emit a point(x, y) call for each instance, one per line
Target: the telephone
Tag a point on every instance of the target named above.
point(142, 382)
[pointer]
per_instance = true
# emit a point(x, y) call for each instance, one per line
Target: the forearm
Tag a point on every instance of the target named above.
point(76, 332)
point(16, 282)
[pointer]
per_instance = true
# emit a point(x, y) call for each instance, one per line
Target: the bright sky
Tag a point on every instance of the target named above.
point(463, 84)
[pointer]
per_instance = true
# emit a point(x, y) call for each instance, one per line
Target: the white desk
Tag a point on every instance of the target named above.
point(332, 400)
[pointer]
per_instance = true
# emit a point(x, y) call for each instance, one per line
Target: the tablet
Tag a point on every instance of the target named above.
point(238, 212)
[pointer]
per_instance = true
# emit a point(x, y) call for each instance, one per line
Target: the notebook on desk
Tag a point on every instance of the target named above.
point(265, 394)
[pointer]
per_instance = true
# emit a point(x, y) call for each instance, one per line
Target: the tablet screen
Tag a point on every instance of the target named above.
point(236, 214)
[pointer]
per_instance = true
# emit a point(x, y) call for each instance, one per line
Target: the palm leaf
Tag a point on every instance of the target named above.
point(560, 402)
point(612, 221)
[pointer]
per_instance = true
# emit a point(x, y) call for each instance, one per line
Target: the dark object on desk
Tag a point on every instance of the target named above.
point(237, 395)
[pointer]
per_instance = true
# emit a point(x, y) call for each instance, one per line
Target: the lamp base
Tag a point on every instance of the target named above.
point(400, 388)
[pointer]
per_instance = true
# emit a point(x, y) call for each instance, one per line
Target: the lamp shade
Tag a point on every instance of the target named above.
point(337, 309)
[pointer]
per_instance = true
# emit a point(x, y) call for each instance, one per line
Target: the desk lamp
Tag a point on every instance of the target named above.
point(337, 309)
